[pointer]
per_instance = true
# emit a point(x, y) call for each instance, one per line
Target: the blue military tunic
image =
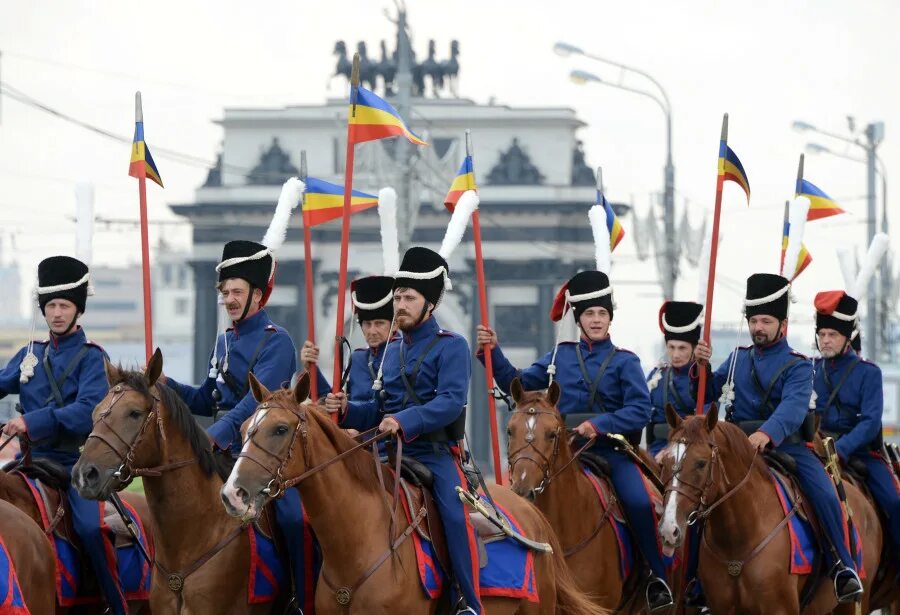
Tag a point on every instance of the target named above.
point(57, 430)
point(670, 386)
point(441, 385)
point(853, 414)
point(364, 364)
point(622, 405)
point(85, 386)
point(790, 376)
point(275, 363)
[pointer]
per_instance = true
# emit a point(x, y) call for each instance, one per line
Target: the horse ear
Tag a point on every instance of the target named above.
point(672, 417)
point(259, 390)
point(154, 368)
point(712, 417)
point(553, 393)
point(301, 389)
point(112, 372)
point(516, 390)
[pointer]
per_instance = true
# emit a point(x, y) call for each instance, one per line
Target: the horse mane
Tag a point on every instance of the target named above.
point(360, 463)
point(728, 437)
point(180, 416)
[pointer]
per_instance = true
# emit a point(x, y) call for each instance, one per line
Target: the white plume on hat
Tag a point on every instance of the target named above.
point(797, 212)
point(390, 244)
point(466, 205)
point(291, 193)
point(847, 260)
point(877, 249)
point(84, 222)
point(602, 255)
point(703, 267)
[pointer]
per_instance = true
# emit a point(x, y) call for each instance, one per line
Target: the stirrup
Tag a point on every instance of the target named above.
point(663, 592)
point(694, 598)
point(466, 609)
point(850, 596)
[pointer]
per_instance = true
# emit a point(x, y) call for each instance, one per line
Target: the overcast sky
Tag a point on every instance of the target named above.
point(766, 63)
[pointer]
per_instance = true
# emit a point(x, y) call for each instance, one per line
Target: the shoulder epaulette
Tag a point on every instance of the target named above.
point(94, 344)
point(619, 349)
point(799, 354)
point(567, 342)
point(445, 333)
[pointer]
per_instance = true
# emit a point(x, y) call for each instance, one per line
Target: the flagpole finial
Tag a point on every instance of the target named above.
point(138, 110)
point(725, 127)
point(800, 167)
point(354, 73)
point(600, 180)
point(468, 142)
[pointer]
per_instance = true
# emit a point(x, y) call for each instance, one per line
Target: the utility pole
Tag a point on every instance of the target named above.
point(874, 133)
point(406, 218)
point(672, 253)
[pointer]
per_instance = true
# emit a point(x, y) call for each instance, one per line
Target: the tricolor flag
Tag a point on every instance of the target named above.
point(464, 180)
point(820, 204)
point(373, 118)
point(324, 201)
point(142, 164)
point(731, 168)
point(804, 258)
point(616, 232)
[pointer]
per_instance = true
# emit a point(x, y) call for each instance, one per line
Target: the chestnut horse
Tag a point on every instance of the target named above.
point(545, 469)
point(142, 428)
point(715, 475)
point(352, 514)
point(30, 553)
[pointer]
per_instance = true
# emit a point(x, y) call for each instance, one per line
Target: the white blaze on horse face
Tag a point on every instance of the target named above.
point(530, 423)
point(229, 489)
point(669, 522)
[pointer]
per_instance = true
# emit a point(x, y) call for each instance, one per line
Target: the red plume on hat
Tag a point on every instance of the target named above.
point(560, 304)
point(662, 313)
point(827, 301)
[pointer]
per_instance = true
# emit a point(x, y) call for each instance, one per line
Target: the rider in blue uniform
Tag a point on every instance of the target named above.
point(372, 298)
point(850, 401)
point(671, 382)
point(60, 381)
point(425, 388)
point(605, 386)
point(253, 343)
point(772, 389)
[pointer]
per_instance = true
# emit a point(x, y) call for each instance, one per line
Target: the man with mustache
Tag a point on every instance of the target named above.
point(772, 391)
point(426, 385)
point(850, 401)
point(60, 381)
point(253, 343)
point(372, 299)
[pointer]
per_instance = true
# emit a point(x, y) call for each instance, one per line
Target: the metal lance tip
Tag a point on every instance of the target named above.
point(138, 111)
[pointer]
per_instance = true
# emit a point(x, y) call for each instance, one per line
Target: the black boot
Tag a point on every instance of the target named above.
point(847, 586)
point(694, 598)
point(659, 596)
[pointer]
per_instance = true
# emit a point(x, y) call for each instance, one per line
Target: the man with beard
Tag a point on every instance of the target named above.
point(772, 391)
point(372, 300)
point(850, 401)
point(426, 383)
point(59, 383)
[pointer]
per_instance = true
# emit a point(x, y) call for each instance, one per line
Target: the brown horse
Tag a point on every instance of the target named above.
point(353, 516)
point(15, 491)
point(715, 473)
point(31, 555)
point(544, 468)
point(143, 429)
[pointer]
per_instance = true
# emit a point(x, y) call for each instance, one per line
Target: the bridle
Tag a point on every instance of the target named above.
point(545, 463)
point(126, 470)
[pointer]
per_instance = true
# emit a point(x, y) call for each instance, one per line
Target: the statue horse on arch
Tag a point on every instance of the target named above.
point(368, 564)
point(715, 476)
point(142, 428)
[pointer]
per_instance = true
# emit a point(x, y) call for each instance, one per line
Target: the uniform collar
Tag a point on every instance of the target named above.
point(774, 348)
point(377, 350)
point(423, 330)
point(848, 357)
point(70, 340)
point(249, 325)
point(590, 346)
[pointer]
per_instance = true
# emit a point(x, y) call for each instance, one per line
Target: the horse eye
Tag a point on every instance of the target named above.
point(552, 435)
point(134, 414)
point(281, 430)
point(701, 463)
point(509, 431)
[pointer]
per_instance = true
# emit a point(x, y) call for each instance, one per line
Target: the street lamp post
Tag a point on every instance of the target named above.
point(670, 275)
point(874, 133)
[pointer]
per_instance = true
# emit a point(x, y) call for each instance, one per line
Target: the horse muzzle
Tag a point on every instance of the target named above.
point(91, 481)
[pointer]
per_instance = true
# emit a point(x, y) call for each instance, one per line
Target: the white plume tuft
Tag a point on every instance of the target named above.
point(84, 222)
point(291, 193)
point(390, 244)
point(467, 204)
point(877, 249)
point(703, 267)
point(602, 255)
point(847, 260)
point(797, 212)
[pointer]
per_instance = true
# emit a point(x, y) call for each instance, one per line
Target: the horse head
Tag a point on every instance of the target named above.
point(125, 431)
point(537, 443)
point(688, 467)
point(276, 447)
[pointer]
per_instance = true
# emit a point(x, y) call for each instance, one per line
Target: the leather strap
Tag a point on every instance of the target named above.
point(593, 384)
